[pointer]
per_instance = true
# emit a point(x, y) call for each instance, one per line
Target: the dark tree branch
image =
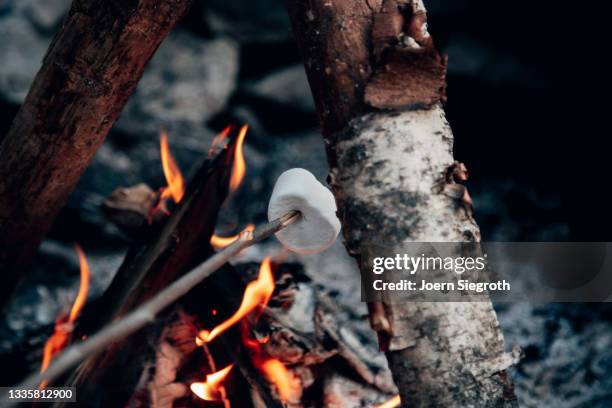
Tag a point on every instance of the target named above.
point(87, 76)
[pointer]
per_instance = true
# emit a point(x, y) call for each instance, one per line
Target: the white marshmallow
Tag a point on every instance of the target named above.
point(318, 227)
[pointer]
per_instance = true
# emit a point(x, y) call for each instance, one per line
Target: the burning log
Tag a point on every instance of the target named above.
point(155, 258)
point(89, 72)
point(378, 83)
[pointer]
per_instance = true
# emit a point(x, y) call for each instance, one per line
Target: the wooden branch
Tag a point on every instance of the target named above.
point(155, 258)
point(146, 313)
point(161, 252)
point(90, 70)
point(378, 83)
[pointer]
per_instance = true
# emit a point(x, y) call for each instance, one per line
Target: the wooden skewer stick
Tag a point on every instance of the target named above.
point(146, 313)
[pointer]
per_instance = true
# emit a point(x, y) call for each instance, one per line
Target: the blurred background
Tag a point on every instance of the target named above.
point(528, 88)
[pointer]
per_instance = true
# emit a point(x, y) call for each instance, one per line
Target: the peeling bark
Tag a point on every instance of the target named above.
point(395, 180)
point(87, 76)
point(447, 354)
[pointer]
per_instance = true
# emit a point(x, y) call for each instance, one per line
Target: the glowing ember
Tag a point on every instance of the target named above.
point(239, 166)
point(288, 386)
point(172, 173)
point(64, 322)
point(221, 242)
point(211, 390)
point(256, 296)
point(392, 403)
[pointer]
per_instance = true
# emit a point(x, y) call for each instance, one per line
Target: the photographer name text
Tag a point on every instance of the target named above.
point(455, 266)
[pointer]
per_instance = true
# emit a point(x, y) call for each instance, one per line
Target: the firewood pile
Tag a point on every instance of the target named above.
point(227, 62)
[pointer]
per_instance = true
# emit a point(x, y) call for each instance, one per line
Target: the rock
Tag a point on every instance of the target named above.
point(26, 29)
point(46, 15)
point(129, 207)
point(21, 52)
point(187, 81)
point(285, 86)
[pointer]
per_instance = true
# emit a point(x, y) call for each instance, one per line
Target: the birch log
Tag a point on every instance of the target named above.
point(90, 70)
point(379, 84)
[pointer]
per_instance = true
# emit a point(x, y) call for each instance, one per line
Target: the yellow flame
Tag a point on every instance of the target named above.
point(63, 324)
point(210, 390)
point(286, 383)
point(221, 242)
point(239, 168)
point(172, 173)
point(257, 294)
point(79, 302)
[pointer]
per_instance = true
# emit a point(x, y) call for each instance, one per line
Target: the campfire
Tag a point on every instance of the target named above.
point(267, 349)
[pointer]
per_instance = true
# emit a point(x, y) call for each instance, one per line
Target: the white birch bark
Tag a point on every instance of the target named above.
point(390, 183)
point(378, 84)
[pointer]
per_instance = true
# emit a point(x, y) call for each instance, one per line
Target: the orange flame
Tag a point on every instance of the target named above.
point(221, 242)
point(287, 384)
point(79, 302)
point(256, 295)
point(211, 389)
point(172, 173)
point(64, 323)
point(239, 168)
point(392, 403)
